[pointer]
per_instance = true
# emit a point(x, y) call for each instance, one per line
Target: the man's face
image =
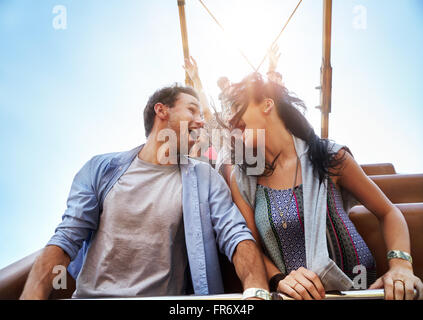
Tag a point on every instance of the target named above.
point(185, 118)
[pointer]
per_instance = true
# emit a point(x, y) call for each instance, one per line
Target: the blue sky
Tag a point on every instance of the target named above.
point(66, 95)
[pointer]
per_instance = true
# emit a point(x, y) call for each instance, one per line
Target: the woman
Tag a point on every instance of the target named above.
point(297, 205)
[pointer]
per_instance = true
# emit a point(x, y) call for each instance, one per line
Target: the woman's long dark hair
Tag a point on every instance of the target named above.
point(254, 89)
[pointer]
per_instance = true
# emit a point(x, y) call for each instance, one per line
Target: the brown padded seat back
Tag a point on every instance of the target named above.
point(378, 168)
point(401, 188)
point(368, 226)
point(13, 278)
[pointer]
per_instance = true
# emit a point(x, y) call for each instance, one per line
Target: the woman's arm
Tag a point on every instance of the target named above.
point(394, 228)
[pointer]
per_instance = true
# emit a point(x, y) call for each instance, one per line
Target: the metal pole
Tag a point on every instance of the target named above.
point(326, 70)
point(181, 7)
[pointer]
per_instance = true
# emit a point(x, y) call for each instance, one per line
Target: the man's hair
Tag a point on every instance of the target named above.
point(166, 96)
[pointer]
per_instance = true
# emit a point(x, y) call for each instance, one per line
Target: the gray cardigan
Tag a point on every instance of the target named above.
point(315, 204)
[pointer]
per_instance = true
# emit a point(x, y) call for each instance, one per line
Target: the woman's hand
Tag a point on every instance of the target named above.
point(399, 283)
point(192, 69)
point(302, 284)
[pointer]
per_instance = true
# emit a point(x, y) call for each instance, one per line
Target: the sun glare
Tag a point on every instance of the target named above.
point(250, 28)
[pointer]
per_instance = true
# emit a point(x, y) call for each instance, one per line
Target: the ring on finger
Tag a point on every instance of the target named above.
point(399, 281)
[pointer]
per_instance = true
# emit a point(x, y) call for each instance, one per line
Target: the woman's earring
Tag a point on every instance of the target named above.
point(267, 109)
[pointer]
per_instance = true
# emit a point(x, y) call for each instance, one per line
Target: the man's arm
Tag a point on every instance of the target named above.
point(233, 236)
point(249, 265)
point(80, 218)
point(40, 279)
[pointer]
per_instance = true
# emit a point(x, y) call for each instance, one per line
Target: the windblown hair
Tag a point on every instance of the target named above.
point(254, 89)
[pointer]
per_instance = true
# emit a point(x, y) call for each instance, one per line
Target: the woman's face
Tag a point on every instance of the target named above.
point(254, 118)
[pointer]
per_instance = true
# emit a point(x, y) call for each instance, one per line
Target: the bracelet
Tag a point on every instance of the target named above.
point(274, 281)
point(397, 254)
point(256, 293)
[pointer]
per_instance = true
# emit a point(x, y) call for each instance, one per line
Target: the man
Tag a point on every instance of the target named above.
point(148, 222)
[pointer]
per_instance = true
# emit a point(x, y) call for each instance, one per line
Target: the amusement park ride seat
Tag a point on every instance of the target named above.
point(378, 169)
point(404, 190)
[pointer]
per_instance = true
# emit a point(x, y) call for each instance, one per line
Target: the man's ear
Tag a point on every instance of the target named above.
point(268, 105)
point(161, 111)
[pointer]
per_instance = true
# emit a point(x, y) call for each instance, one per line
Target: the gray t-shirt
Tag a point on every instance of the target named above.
point(139, 248)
